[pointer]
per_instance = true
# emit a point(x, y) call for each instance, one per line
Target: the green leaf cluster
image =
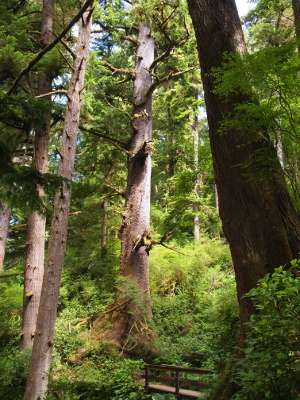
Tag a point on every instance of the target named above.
point(194, 304)
point(271, 365)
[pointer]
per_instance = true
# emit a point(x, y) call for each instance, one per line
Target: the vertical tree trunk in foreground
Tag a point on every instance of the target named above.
point(296, 12)
point(195, 128)
point(35, 251)
point(105, 207)
point(42, 348)
point(259, 219)
point(134, 262)
point(5, 214)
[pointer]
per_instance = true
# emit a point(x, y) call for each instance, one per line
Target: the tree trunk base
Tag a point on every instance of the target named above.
point(226, 388)
point(127, 330)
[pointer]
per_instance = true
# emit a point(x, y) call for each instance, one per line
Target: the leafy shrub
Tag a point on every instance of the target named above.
point(194, 304)
point(271, 367)
point(13, 372)
point(100, 376)
point(11, 297)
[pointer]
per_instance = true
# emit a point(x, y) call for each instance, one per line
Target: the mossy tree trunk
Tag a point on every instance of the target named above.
point(258, 217)
point(134, 263)
point(38, 375)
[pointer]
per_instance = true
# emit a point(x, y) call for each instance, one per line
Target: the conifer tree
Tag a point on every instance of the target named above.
point(40, 363)
point(35, 242)
point(258, 216)
point(149, 74)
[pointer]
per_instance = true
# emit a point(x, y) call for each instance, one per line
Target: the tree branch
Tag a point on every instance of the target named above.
point(160, 81)
point(61, 91)
point(50, 46)
point(11, 274)
point(118, 70)
point(118, 191)
point(130, 39)
point(68, 48)
point(117, 143)
point(167, 236)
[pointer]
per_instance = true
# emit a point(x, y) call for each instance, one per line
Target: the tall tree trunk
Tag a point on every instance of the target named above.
point(107, 167)
point(296, 12)
point(259, 219)
point(279, 149)
point(171, 145)
point(35, 251)
point(5, 214)
point(196, 167)
point(42, 348)
point(134, 262)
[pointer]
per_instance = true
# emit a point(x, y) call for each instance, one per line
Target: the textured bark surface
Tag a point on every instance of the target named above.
point(105, 207)
point(296, 12)
point(196, 166)
point(127, 316)
point(136, 218)
point(5, 214)
point(37, 381)
point(35, 251)
point(258, 217)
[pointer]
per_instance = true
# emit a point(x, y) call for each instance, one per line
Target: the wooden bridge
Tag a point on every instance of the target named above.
point(167, 378)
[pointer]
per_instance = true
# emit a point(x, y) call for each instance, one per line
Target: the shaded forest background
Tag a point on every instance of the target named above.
point(192, 281)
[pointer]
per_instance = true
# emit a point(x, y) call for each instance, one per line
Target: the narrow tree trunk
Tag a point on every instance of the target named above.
point(134, 262)
point(259, 219)
point(196, 167)
point(5, 214)
point(296, 12)
point(279, 148)
point(171, 145)
point(104, 226)
point(35, 251)
point(105, 207)
point(42, 348)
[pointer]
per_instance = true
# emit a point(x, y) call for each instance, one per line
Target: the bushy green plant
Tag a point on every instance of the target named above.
point(11, 296)
point(102, 374)
point(271, 367)
point(13, 372)
point(194, 304)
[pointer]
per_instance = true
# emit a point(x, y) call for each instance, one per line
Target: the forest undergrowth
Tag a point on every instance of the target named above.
point(195, 322)
point(195, 319)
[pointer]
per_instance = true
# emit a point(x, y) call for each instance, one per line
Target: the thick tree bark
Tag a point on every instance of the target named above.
point(35, 252)
point(43, 342)
point(296, 12)
point(136, 219)
point(5, 214)
point(134, 262)
point(259, 219)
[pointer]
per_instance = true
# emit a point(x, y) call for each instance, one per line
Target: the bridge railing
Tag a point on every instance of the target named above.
point(168, 379)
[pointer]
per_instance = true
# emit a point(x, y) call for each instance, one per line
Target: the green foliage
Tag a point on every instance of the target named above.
point(14, 367)
point(11, 295)
point(270, 368)
point(266, 77)
point(20, 185)
point(194, 304)
point(269, 23)
point(194, 307)
point(103, 374)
